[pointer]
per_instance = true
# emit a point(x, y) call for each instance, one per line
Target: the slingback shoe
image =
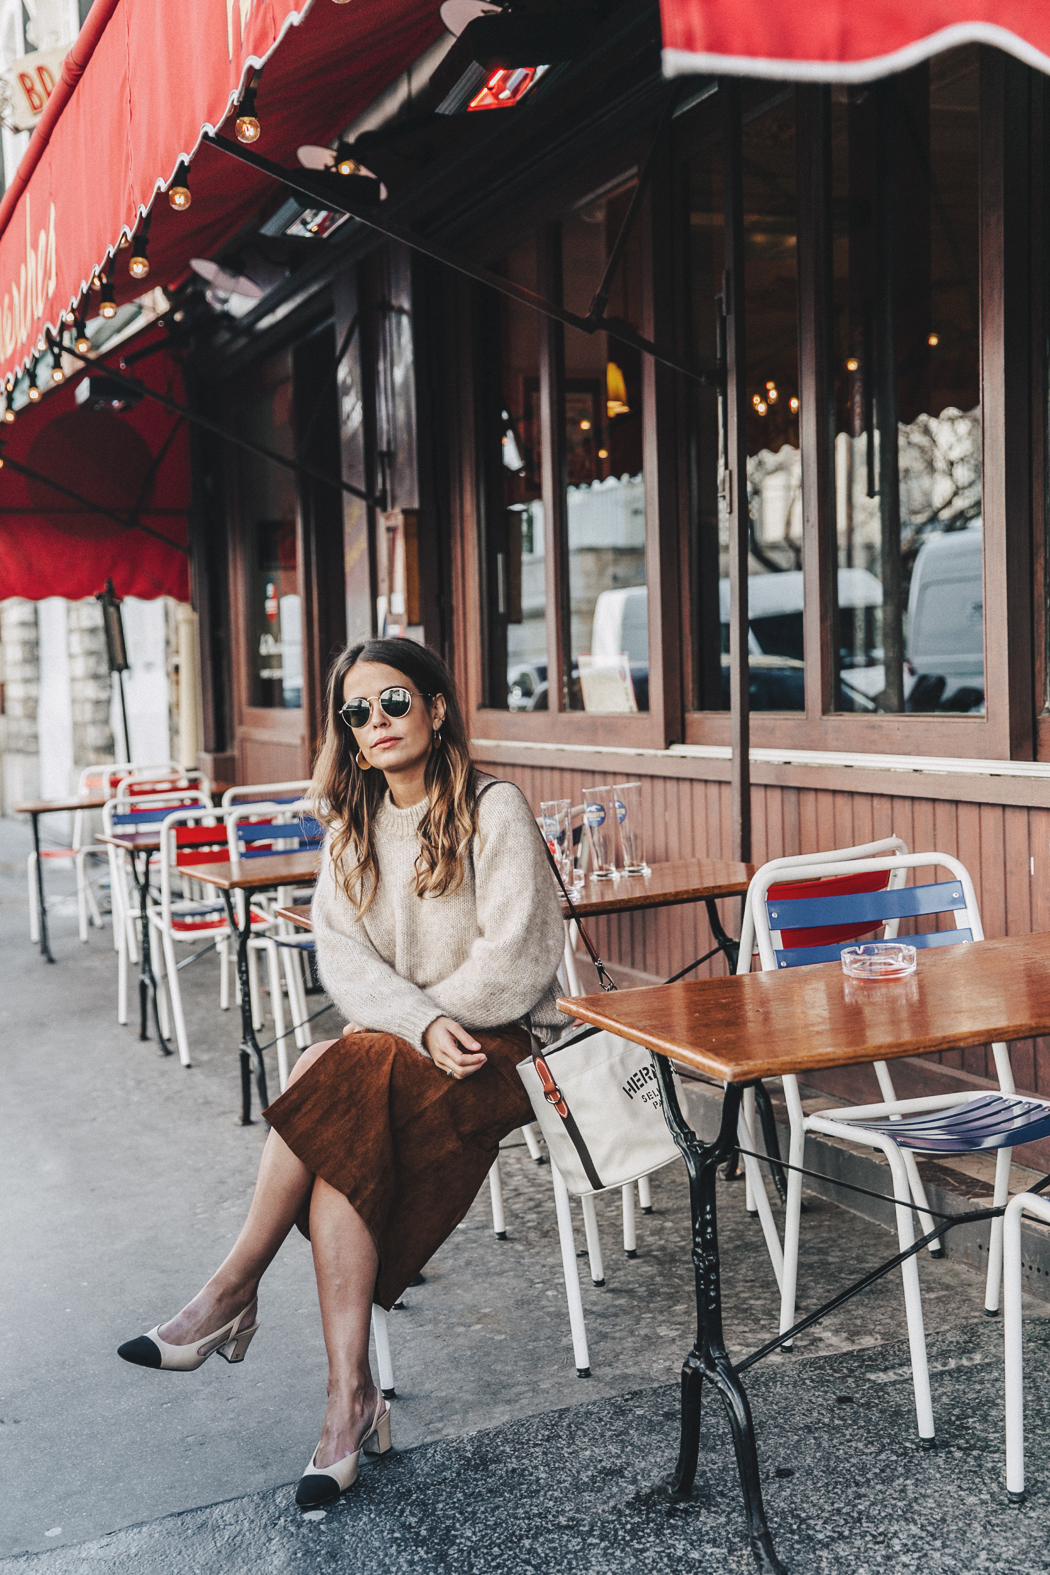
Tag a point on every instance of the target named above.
point(149, 1350)
point(324, 1484)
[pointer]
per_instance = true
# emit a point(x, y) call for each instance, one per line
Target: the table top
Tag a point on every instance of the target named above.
point(278, 869)
point(681, 880)
point(806, 1019)
point(298, 913)
point(133, 841)
point(49, 806)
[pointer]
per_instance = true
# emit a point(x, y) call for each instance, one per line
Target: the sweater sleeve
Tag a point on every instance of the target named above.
point(515, 957)
point(365, 988)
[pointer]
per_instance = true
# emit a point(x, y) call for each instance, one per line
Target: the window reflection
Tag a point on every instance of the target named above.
point(271, 568)
point(514, 516)
point(605, 491)
point(774, 461)
point(905, 205)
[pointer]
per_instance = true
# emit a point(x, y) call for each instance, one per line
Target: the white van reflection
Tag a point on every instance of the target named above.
point(945, 644)
point(944, 648)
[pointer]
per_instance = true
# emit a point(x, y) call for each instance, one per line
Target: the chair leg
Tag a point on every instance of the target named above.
point(163, 994)
point(175, 996)
point(569, 959)
point(645, 1195)
point(747, 1109)
point(918, 1191)
point(381, 1335)
point(120, 931)
point(1000, 1199)
point(82, 906)
point(222, 946)
point(793, 1206)
point(572, 1275)
point(94, 912)
point(912, 1295)
point(594, 1246)
point(34, 911)
point(499, 1222)
point(253, 989)
point(753, 1171)
point(532, 1142)
point(296, 996)
point(630, 1235)
point(1014, 1355)
point(273, 974)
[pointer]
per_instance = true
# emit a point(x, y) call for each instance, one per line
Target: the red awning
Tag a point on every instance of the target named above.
point(144, 82)
point(842, 40)
point(60, 458)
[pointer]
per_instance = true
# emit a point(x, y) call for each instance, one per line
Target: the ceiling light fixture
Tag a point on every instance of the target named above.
point(179, 194)
point(615, 392)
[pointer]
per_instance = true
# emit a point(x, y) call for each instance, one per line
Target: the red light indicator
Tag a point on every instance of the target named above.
point(505, 88)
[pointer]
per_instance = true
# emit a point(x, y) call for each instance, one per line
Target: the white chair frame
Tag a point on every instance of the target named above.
point(848, 1123)
point(1038, 1207)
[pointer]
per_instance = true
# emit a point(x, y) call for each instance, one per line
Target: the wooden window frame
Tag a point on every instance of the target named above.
point(651, 729)
point(1013, 383)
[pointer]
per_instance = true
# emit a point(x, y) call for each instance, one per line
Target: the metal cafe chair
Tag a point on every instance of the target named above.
point(92, 779)
point(122, 816)
point(259, 831)
point(788, 929)
point(188, 837)
point(1030, 1203)
point(265, 793)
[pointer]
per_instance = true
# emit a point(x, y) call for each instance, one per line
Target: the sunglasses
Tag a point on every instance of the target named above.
point(395, 703)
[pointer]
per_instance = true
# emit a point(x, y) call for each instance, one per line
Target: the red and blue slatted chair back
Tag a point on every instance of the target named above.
point(200, 845)
point(257, 839)
point(816, 919)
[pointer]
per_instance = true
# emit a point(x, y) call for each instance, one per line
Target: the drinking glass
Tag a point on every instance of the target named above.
point(599, 811)
point(556, 825)
point(628, 800)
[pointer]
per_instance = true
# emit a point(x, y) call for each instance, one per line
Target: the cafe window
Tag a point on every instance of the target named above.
point(604, 480)
point(274, 627)
point(774, 459)
point(905, 225)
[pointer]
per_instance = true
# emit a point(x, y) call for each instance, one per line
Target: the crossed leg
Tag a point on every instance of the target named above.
point(345, 1264)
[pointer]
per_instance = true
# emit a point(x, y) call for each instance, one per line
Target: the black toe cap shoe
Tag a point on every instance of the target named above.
point(316, 1490)
point(141, 1351)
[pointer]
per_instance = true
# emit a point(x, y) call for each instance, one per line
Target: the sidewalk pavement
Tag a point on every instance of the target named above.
point(125, 1178)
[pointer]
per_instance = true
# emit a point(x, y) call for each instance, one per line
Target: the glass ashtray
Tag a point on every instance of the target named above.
point(879, 960)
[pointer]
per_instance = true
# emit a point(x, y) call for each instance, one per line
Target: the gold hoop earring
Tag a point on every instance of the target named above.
point(363, 764)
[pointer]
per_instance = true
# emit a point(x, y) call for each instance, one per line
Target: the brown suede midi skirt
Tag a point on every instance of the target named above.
point(408, 1145)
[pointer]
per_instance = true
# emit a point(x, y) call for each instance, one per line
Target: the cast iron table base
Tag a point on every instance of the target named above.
point(250, 1048)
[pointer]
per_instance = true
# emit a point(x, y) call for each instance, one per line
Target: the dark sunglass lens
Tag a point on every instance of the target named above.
point(396, 702)
point(357, 712)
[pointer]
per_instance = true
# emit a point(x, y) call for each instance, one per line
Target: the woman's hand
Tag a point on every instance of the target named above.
point(443, 1039)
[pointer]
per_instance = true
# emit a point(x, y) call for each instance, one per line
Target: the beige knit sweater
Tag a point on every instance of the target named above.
point(485, 954)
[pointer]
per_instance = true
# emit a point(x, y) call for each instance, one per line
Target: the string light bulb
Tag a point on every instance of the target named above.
point(852, 364)
point(179, 194)
point(933, 340)
point(247, 124)
point(138, 265)
point(9, 409)
point(33, 392)
point(83, 343)
point(57, 374)
point(345, 163)
point(69, 318)
point(793, 402)
point(108, 306)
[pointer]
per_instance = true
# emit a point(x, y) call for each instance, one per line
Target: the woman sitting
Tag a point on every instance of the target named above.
point(438, 934)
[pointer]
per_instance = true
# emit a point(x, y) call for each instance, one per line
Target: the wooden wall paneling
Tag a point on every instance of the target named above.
point(552, 441)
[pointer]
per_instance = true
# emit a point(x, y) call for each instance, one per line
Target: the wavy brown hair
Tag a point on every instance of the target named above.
point(347, 799)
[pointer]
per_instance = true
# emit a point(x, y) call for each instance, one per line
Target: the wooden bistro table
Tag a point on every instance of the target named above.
point(750, 1026)
point(252, 876)
point(667, 886)
point(146, 842)
point(51, 806)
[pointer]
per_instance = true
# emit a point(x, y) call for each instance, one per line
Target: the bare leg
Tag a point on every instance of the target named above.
point(281, 1191)
point(345, 1262)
